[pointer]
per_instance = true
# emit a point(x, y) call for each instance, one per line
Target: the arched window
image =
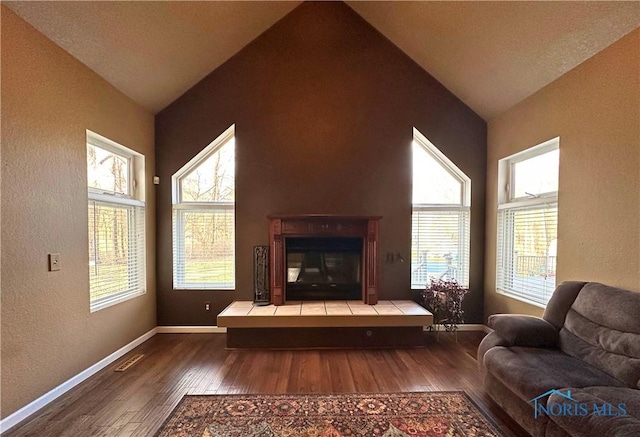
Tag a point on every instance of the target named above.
point(440, 225)
point(204, 218)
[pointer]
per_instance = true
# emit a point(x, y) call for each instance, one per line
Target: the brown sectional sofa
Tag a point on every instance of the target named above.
point(576, 370)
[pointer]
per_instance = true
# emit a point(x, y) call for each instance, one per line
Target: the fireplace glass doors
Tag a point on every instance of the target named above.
point(320, 268)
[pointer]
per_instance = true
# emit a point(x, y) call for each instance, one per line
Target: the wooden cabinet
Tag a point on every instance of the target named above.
point(281, 227)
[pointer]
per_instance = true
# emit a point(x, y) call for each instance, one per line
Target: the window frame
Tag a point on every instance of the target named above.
point(463, 207)
point(132, 199)
point(508, 202)
point(179, 206)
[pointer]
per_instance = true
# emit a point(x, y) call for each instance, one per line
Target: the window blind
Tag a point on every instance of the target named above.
point(440, 245)
point(526, 251)
point(204, 247)
point(116, 252)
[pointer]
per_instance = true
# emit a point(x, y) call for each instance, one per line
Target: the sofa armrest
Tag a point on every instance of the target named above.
point(522, 330)
point(490, 340)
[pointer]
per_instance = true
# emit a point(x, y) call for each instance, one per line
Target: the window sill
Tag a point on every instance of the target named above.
point(520, 298)
point(199, 288)
point(114, 301)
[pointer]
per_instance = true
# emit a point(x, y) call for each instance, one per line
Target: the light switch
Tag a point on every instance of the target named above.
point(54, 262)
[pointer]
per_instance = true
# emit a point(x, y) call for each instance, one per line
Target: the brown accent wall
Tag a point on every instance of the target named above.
point(324, 108)
point(595, 110)
point(49, 99)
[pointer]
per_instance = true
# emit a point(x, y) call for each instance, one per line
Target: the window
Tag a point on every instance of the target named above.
point(204, 218)
point(440, 227)
point(528, 223)
point(115, 179)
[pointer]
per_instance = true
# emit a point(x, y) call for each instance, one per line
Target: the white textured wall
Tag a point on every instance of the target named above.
point(595, 110)
point(48, 100)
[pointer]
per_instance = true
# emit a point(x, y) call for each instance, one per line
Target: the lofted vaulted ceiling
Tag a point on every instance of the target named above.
point(491, 55)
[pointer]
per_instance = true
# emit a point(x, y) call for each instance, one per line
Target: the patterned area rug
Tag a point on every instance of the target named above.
point(429, 414)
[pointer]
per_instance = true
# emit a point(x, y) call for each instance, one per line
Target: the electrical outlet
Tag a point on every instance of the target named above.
point(207, 306)
point(54, 262)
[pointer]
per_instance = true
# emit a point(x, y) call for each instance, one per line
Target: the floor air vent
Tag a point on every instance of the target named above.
point(128, 363)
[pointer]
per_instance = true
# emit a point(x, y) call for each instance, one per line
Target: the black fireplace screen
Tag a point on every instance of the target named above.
point(323, 268)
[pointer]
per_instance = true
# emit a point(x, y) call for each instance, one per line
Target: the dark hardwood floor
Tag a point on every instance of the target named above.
point(136, 402)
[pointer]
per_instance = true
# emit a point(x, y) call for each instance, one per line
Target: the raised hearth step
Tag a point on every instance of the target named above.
point(312, 314)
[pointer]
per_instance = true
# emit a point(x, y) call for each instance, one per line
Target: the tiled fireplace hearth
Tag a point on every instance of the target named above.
point(323, 257)
point(325, 324)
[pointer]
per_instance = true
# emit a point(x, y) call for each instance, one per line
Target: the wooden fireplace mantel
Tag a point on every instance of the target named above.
point(283, 226)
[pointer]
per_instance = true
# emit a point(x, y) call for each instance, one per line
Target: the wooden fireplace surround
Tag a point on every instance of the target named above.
point(281, 227)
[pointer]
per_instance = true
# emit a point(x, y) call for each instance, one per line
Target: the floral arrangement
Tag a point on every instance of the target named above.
point(443, 298)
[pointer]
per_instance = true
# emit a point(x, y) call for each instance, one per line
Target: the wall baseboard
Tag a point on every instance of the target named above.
point(191, 329)
point(222, 330)
point(472, 327)
point(467, 327)
point(13, 419)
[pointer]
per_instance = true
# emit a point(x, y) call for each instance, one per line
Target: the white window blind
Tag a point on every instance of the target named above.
point(439, 245)
point(527, 251)
point(116, 222)
point(204, 247)
point(116, 252)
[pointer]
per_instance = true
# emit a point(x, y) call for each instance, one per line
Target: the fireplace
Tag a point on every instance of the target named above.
point(323, 258)
point(323, 268)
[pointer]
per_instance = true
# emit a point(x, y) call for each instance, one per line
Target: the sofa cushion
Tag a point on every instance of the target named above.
point(602, 328)
point(599, 424)
point(615, 396)
point(530, 372)
point(561, 300)
point(614, 352)
point(609, 306)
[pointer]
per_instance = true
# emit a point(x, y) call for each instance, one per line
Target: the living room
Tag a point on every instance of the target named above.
point(324, 105)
